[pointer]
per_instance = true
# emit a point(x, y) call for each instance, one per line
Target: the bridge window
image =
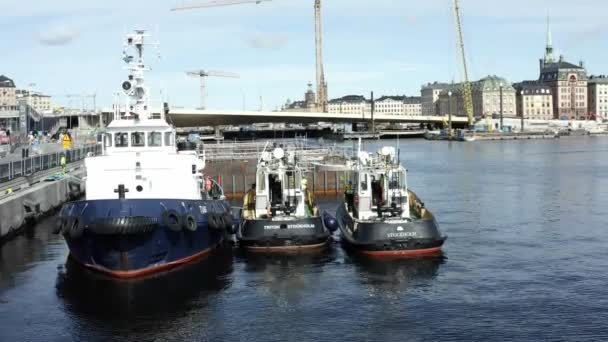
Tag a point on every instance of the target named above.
point(169, 139)
point(138, 139)
point(121, 139)
point(155, 139)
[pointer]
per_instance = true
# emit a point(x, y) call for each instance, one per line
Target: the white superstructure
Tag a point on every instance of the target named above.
point(140, 159)
point(381, 182)
point(279, 185)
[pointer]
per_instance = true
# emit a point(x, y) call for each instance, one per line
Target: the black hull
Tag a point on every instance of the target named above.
point(390, 238)
point(127, 238)
point(283, 235)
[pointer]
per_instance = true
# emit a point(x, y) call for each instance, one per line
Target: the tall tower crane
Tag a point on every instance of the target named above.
point(467, 95)
point(321, 102)
point(203, 74)
point(321, 84)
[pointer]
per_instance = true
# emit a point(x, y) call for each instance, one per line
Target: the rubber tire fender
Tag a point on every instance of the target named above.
point(230, 228)
point(67, 225)
point(215, 222)
point(190, 223)
point(221, 222)
point(173, 220)
point(59, 222)
point(76, 228)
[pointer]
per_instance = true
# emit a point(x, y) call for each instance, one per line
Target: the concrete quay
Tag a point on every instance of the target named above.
point(28, 204)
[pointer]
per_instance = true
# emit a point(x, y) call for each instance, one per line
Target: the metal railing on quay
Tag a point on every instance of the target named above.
point(252, 150)
point(35, 163)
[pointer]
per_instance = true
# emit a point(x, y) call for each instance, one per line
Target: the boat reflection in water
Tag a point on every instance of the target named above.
point(99, 297)
point(286, 278)
point(394, 277)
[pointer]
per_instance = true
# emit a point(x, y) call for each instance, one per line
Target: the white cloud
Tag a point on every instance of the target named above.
point(269, 41)
point(58, 34)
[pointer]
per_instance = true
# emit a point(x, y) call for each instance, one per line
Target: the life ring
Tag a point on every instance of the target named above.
point(190, 223)
point(172, 220)
point(76, 228)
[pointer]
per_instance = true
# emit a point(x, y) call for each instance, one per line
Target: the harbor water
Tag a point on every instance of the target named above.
point(525, 260)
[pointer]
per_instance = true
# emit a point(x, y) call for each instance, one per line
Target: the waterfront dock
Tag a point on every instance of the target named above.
point(233, 165)
point(35, 186)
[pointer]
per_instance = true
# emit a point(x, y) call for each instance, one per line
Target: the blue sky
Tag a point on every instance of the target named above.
point(390, 47)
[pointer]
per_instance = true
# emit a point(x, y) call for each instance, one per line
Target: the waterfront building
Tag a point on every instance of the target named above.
point(486, 94)
point(8, 94)
point(412, 106)
point(350, 104)
point(597, 93)
point(430, 97)
point(308, 105)
point(534, 100)
point(39, 102)
point(389, 105)
point(568, 84)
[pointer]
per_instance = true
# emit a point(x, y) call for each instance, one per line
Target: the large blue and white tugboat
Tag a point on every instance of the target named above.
point(145, 208)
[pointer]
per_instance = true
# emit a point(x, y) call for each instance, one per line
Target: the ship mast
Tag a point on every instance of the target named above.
point(134, 87)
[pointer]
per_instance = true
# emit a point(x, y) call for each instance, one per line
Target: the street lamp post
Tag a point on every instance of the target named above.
point(450, 112)
point(522, 110)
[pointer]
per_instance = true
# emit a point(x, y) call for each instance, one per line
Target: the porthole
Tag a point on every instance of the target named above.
point(139, 188)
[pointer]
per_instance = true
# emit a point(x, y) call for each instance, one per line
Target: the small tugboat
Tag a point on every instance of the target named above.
point(279, 211)
point(380, 216)
point(145, 208)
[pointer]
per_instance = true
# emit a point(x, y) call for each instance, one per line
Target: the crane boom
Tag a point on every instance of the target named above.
point(203, 74)
point(467, 95)
point(216, 3)
point(321, 85)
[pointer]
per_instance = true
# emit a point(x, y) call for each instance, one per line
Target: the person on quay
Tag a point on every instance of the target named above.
point(249, 203)
point(310, 206)
point(208, 185)
point(349, 195)
point(63, 161)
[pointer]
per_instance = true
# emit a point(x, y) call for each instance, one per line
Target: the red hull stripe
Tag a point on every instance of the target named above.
point(279, 249)
point(152, 269)
point(404, 252)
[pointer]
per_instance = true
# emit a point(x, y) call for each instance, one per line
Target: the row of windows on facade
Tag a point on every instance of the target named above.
point(138, 139)
point(544, 104)
point(577, 104)
point(538, 111)
point(580, 90)
point(538, 91)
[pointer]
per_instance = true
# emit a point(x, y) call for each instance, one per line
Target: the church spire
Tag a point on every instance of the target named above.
point(549, 48)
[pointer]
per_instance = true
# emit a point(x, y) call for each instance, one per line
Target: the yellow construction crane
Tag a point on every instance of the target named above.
point(203, 74)
point(216, 3)
point(467, 95)
point(321, 101)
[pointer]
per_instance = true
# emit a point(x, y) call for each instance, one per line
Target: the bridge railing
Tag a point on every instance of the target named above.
point(35, 163)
